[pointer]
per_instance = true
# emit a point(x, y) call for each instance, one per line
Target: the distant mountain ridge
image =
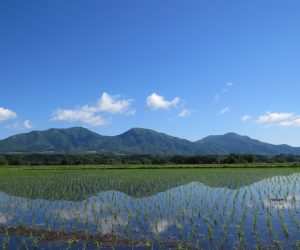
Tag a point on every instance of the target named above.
point(136, 141)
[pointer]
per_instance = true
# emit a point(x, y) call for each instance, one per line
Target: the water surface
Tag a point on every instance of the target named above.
point(201, 209)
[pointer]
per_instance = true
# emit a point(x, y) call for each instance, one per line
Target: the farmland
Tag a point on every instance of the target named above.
point(90, 208)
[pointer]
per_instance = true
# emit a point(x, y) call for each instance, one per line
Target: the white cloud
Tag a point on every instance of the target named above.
point(291, 123)
point(224, 91)
point(274, 117)
point(78, 115)
point(284, 119)
point(6, 114)
point(155, 101)
point(112, 104)
point(184, 113)
point(223, 111)
point(27, 124)
point(91, 115)
point(20, 125)
point(246, 118)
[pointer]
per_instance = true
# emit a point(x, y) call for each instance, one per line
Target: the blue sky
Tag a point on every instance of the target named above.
point(186, 68)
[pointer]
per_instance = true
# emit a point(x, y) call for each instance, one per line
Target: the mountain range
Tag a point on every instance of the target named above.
point(136, 141)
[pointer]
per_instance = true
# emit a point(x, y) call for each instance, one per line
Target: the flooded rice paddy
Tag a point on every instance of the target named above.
point(150, 209)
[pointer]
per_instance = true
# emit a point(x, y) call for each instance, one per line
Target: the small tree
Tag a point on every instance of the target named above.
point(3, 161)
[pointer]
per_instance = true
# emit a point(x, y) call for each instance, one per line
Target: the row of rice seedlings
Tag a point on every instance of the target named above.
point(180, 208)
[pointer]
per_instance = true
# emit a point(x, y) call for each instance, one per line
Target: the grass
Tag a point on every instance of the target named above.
point(79, 184)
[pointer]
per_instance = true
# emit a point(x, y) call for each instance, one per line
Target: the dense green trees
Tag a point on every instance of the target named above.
point(101, 159)
point(3, 161)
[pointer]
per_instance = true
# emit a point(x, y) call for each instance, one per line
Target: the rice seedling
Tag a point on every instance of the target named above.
point(205, 208)
point(297, 244)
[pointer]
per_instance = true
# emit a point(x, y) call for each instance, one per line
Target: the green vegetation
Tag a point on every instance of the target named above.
point(136, 141)
point(161, 208)
point(79, 184)
point(146, 161)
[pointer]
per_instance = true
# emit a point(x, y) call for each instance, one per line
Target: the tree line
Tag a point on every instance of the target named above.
point(100, 159)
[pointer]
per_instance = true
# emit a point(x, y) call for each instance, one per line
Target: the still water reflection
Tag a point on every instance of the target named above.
point(201, 209)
